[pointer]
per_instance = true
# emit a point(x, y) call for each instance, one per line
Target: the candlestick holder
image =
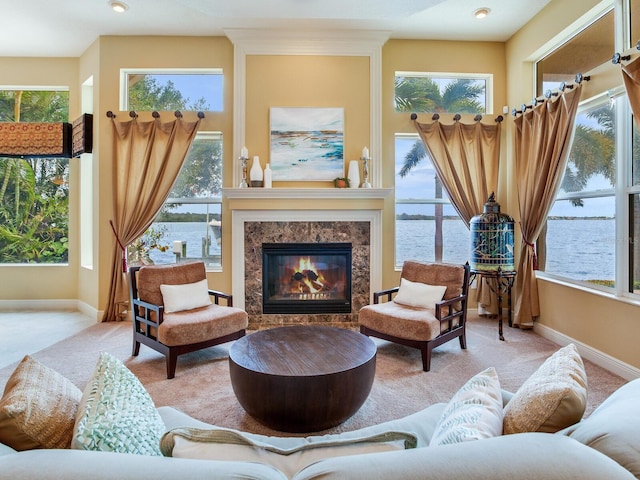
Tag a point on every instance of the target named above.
point(365, 172)
point(243, 162)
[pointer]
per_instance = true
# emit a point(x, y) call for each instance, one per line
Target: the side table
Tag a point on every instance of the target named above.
point(500, 282)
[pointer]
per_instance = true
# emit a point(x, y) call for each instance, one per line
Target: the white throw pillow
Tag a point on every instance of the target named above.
point(421, 295)
point(474, 412)
point(186, 296)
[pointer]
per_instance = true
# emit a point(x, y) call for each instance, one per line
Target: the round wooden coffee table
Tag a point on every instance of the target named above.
point(302, 378)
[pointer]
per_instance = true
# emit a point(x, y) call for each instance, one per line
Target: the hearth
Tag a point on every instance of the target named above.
point(306, 278)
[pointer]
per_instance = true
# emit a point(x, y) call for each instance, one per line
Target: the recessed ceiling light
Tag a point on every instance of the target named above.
point(119, 7)
point(481, 12)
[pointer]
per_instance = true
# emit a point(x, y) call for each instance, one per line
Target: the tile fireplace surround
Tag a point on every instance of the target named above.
point(252, 228)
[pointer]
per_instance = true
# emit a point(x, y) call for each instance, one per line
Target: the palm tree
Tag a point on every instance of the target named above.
point(423, 94)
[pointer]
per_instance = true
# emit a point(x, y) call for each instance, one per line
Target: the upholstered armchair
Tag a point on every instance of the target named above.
point(173, 313)
point(427, 309)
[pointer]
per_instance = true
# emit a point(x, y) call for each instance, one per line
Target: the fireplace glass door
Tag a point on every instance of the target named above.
point(306, 277)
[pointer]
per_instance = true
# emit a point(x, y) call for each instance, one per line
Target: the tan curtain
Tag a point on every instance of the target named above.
point(467, 161)
point(542, 142)
point(631, 77)
point(147, 157)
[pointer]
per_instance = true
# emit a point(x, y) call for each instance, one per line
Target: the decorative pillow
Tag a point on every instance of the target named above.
point(116, 414)
point(186, 296)
point(288, 455)
point(553, 398)
point(38, 408)
point(474, 412)
point(421, 295)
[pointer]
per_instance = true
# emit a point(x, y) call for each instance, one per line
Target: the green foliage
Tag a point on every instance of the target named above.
point(201, 174)
point(147, 94)
point(34, 196)
point(422, 94)
point(138, 251)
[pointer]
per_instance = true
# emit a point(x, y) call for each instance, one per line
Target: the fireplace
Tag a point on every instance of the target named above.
point(306, 278)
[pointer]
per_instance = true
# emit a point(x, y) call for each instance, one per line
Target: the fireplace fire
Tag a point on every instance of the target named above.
point(306, 277)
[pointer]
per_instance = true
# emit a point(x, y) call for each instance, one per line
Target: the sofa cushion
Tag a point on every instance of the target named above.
point(188, 296)
point(473, 413)
point(289, 455)
point(116, 414)
point(38, 408)
point(552, 398)
point(417, 294)
point(613, 427)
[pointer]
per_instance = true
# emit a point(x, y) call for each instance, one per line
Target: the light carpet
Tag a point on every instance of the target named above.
point(202, 387)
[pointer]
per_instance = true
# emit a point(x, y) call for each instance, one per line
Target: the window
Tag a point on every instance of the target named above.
point(192, 89)
point(34, 192)
point(427, 227)
point(190, 221)
point(443, 92)
point(581, 224)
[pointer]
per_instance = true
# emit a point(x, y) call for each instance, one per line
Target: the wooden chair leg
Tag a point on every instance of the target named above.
point(425, 348)
point(463, 341)
point(136, 349)
point(172, 360)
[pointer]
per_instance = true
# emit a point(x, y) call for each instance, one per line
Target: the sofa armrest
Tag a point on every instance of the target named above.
point(68, 464)
point(509, 457)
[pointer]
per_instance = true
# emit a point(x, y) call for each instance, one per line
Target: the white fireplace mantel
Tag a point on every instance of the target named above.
point(241, 216)
point(315, 193)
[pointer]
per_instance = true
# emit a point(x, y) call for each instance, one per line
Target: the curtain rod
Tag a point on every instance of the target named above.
point(134, 114)
point(457, 117)
point(579, 78)
point(617, 57)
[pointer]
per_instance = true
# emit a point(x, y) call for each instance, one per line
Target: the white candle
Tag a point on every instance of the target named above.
point(365, 152)
point(177, 246)
point(244, 153)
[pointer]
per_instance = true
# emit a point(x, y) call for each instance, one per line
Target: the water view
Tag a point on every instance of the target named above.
point(581, 249)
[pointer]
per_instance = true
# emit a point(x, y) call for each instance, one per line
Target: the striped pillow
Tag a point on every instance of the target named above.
point(474, 412)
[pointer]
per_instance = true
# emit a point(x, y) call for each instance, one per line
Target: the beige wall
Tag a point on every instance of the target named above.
point(601, 321)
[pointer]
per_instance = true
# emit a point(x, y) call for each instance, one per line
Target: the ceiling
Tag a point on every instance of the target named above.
point(66, 28)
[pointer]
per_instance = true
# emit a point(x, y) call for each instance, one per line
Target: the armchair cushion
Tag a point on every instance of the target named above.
point(200, 324)
point(150, 279)
point(185, 297)
point(400, 321)
point(418, 294)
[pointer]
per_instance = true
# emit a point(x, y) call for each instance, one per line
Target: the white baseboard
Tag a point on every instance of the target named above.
point(626, 371)
point(53, 304)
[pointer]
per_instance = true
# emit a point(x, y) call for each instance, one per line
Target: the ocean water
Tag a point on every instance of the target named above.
point(581, 249)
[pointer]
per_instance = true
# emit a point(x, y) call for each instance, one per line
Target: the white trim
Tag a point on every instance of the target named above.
point(366, 43)
point(31, 304)
point(324, 193)
point(240, 217)
point(626, 371)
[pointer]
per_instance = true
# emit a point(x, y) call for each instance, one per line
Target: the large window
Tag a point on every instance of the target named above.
point(581, 225)
point(190, 224)
point(427, 226)
point(34, 192)
point(442, 92)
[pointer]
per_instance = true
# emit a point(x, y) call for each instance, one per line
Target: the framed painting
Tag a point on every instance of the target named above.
point(307, 144)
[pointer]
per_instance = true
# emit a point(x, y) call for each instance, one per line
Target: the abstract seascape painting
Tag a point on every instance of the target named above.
point(307, 144)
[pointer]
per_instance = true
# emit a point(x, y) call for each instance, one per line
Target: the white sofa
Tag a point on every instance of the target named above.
point(606, 445)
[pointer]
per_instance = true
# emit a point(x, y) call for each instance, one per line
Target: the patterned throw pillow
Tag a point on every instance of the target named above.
point(553, 398)
point(474, 412)
point(38, 408)
point(116, 413)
